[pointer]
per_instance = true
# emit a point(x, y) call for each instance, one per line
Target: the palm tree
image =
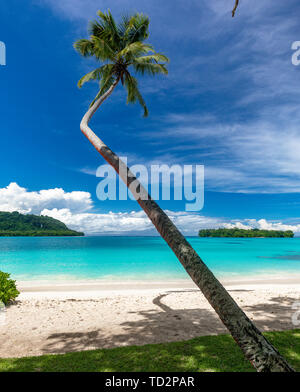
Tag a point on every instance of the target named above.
point(121, 50)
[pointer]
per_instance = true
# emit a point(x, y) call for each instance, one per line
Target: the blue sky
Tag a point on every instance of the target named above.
point(230, 102)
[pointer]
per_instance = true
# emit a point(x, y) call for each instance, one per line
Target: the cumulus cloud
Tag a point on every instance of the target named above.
point(137, 222)
point(95, 223)
point(263, 224)
point(17, 198)
point(129, 222)
point(75, 209)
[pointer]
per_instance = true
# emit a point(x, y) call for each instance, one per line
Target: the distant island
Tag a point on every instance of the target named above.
point(243, 233)
point(14, 224)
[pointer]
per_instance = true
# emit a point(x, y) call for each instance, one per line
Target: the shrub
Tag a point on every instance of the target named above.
point(8, 289)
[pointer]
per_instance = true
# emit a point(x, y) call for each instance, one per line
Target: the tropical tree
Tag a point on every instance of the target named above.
point(123, 53)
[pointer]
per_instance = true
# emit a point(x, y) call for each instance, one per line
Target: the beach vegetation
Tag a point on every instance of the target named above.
point(8, 289)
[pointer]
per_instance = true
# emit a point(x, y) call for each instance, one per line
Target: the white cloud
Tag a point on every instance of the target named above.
point(258, 156)
point(88, 170)
point(75, 210)
point(263, 224)
point(136, 222)
point(16, 198)
point(95, 223)
point(129, 222)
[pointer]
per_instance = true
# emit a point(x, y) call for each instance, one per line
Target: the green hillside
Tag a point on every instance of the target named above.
point(15, 224)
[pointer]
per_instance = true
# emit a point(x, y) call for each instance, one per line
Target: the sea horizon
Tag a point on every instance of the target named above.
point(143, 258)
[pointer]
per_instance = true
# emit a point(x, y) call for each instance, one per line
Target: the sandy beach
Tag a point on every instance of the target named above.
point(83, 316)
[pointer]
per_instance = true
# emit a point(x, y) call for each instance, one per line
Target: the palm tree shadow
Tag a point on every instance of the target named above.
point(153, 326)
point(276, 315)
point(166, 324)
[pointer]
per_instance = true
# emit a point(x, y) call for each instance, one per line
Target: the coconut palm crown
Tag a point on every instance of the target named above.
point(121, 49)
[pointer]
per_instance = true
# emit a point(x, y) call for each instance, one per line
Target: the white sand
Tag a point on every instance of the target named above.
point(83, 316)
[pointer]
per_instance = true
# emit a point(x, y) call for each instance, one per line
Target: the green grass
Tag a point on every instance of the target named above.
point(203, 354)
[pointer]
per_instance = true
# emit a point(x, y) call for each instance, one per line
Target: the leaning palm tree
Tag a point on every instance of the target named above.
point(123, 53)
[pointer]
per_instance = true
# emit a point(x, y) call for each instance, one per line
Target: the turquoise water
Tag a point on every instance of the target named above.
point(142, 258)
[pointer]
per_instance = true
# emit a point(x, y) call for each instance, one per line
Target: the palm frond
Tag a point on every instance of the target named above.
point(105, 84)
point(102, 50)
point(138, 28)
point(108, 77)
point(134, 50)
point(110, 32)
point(152, 69)
point(123, 25)
point(96, 28)
point(100, 94)
point(133, 93)
point(84, 47)
point(153, 58)
point(96, 74)
point(96, 98)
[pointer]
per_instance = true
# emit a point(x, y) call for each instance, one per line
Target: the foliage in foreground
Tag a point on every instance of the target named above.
point(251, 233)
point(8, 289)
point(203, 354)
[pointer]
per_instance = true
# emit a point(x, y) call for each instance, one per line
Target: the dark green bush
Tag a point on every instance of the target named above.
point(8, 289)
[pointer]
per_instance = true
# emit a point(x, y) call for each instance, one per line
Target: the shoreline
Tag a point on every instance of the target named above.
point(110, 288)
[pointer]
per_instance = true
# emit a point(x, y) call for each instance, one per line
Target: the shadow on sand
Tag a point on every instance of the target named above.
point(165, 324)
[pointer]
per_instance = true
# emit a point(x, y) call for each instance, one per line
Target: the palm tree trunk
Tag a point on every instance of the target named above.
point(256, 348)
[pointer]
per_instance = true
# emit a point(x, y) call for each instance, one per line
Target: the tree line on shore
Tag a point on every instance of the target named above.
point(245, 233)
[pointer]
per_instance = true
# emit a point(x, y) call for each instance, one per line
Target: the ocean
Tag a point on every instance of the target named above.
point(143, 258)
